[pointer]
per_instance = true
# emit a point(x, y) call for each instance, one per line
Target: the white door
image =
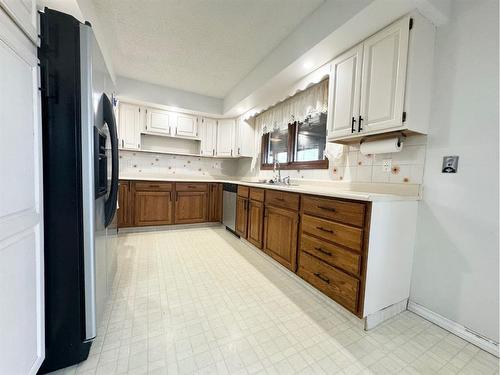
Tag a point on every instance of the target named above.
point(187, 125)
point(245, 139)
point(22, 325)
point(385, 56)
point(208, 133)
point(129, 126)
point(343, 93)
point(225, 137)
point(158, 121)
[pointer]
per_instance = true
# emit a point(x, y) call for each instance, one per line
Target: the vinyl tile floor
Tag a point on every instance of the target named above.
point(200, 301)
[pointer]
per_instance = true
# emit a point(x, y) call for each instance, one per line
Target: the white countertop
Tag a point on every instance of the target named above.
point(363, 192)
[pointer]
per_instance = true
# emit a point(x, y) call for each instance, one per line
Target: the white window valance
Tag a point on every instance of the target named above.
point(299, 107)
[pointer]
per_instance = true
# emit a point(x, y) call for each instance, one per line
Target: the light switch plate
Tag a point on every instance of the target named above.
point(386, 165)
point(450, 164)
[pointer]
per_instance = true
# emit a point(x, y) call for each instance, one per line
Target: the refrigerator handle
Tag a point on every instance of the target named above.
point(109, 119)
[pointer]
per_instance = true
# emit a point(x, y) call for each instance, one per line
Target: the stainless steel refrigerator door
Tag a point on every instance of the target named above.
point(95, 81)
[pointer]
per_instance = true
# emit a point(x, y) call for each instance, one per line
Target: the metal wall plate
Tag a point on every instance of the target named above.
point(450, 164)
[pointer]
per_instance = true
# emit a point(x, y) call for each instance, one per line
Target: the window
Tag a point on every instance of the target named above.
point(300, 146)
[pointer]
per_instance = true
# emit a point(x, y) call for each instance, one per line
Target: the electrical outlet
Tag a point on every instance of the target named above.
point(387, 165)
point(450, 164)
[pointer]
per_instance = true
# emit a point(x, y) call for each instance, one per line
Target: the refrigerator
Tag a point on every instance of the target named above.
point(80, 186)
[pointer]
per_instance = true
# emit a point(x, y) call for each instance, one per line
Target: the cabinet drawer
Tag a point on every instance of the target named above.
point(282, 199)
point(153, 186)
point(257, 194)
point(334, 283)
point(331, 254)
point(189, 186)
point(339, 233)
point(346, 212)
point(243, 191)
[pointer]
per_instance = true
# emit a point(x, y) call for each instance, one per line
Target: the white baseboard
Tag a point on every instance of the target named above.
point(373, 320)
point(457, 329)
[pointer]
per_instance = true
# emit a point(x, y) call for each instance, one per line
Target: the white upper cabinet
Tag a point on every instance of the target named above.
point(344, 90)
point(385, 56)
point(23, 12)
point(208, 134)
point(245, 138)
point(158, 121)
point(226, 137)
point(129, 126)
point(383, 84)
point(186, 125)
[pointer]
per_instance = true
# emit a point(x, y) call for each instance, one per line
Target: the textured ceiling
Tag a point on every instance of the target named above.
point(202, 46)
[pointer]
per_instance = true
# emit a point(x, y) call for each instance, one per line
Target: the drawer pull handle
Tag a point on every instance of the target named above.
point(321, 277)
point(327, 208)
point(191, 187)
point(325, 230)
point(154, 186)
point(279, 199)
point(323, 251)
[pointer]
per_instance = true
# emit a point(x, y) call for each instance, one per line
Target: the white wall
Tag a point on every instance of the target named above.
point(457, 255)
point(157, 94)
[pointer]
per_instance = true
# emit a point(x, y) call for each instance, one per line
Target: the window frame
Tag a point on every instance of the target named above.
point(291, 163)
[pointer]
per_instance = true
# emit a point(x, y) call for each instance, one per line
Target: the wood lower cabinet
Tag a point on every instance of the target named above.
point(191, 207)
point(124, 210)
point(280, 235)
point(215, 202)
point(241, 224)
point(255, 229)
point(153, 208)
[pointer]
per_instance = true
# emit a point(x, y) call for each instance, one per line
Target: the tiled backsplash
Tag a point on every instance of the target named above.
point(137, 163)
point(407, 166)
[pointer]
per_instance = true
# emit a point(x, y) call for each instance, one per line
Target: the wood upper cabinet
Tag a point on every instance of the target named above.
point(186, 125)
point(129, 126)
point(344, 90)
point(280, 235)
point(191, 207)
point(124, 211)
point(158, 121)
point(153, 208)
point(385, 56)
point(208, 135)
point(241, 216)
point(226, 137)
point(215, 202)
point(255, 223)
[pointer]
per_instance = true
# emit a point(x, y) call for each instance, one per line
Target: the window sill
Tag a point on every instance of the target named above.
point(315, 164)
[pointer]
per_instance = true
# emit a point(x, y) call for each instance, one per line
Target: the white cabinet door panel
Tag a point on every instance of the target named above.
point(343, 93)
point(186, 125)
point(208, 133)
point(385, 57)
point(129, 126)
point(23, 12)
point(158, 121)
point(225, 137)
point(245, 140)
point(22, 325)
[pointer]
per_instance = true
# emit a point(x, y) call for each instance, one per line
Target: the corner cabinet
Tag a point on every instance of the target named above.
point(384, 83)
point(208, 135)
point(226, 137)
point(215, 202)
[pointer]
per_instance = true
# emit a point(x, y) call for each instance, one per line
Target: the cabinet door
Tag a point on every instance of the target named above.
point(130, 126)
point(255, 223)
point(208, 134)
point(153, 208)
point(22, 325)
point(385, 56)
point(225, 137)
point(186, 125)
point(158, 121)
point(215, 203)
point(23, 12)
point(124, 208)
point(245, 139)
point(280, 236)
point(241, 216)
point(344, 93)
point(191, 207)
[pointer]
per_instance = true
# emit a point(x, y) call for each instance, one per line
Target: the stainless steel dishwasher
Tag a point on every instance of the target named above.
point(229, 206)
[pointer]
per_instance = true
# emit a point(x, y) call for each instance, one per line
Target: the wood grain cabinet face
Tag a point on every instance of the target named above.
point(255, 223)
point(191, 207)
point(153, 208)
point(215, 203)
point(280, 235)
point(241, 224)
point(124, 211)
